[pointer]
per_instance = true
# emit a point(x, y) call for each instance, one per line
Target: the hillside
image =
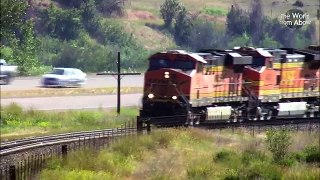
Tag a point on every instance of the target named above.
point(139, 13)
point(88, 33)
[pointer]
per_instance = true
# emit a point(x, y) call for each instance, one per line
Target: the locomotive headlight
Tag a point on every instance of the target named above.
point(166, 75)
point(150, 96)
point(174, 97)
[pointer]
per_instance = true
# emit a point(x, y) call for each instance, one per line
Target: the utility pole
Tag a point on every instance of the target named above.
point(118, 74)
point(119, 84)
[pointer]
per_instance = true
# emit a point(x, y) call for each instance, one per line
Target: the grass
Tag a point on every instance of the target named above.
point(44, 92)
point(198, 5)
point(213, 11)
point(151, 39)
point(16, 123)
point(187, 154)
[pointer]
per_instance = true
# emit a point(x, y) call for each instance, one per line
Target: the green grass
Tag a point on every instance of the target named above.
point(213, 11)
point(187, 154)
point(198, 5)
point(16, 123)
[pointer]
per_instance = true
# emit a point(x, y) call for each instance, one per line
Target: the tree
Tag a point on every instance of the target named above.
point(298, 4)
point(25, 52)
point(276, 31)
point(12, 12)
point(310, 32)
point(203, 35)
point(182, 27)
point(256, 18)
point(63, 24)
point(19, 43)
point(237, 21)
point(168, 11)
point(90, 16)
point(71, 3)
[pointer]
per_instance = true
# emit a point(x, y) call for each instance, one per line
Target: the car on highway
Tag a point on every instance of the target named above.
point(7, 72)
point(64, 77)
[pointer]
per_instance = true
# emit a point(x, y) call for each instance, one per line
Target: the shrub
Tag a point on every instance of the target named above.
point(310, 154)
point(259, 170)
point(11, 115)
point(251, 155)
point(256, 170)
point(278, 143)
point(224, 155)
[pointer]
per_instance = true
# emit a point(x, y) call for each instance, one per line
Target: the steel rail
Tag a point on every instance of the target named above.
point(15, 146)
point(12, 147)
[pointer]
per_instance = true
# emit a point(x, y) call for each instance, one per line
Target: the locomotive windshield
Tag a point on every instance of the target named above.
point(156, 64)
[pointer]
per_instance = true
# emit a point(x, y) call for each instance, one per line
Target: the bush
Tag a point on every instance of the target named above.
point(252, 155)
point(278, 143)
point(257, 170)
point(11, 113)
point(260, 170)
point(310, 154)
point(224, 155)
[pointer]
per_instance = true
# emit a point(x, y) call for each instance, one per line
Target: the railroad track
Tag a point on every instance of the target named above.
point(12, 147)
point(277, 122)
point(172, 121)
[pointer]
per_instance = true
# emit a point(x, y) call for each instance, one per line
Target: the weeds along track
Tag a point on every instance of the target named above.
point(24, 158)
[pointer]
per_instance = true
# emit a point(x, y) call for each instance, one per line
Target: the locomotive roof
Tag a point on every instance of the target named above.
point(193, 56)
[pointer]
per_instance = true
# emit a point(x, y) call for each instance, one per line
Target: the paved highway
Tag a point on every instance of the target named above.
point(75, 102)
point(93, 81)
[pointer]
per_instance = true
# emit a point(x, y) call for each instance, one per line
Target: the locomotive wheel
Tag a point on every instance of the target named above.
point(269, 115)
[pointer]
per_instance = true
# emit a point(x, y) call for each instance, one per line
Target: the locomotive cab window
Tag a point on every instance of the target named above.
point(156, 64)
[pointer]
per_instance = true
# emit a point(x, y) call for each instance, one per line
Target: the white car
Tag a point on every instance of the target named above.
point(7, 72)
point(64, 77)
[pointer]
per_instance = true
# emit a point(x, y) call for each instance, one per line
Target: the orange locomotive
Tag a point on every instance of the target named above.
point(238, 84)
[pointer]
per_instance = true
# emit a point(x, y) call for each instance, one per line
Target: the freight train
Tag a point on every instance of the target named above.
point(239, 84)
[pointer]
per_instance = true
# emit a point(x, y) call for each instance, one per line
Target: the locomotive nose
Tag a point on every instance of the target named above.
point(166, 84)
